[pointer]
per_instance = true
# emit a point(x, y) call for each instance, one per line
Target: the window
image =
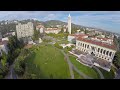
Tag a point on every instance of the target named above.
point(98, 49)
point(101, 50)
point(81, 44)
point(104, 51)
point(88, 46)
point(110, 53)
point(107, 52)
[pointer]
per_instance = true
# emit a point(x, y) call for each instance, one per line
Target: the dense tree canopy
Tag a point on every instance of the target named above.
point(14, 46)
point(36, 35)
point(116, 60)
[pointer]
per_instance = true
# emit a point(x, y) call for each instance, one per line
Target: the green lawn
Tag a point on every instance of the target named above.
point(88, 71)
point(107, 75)
point(77, 76)
point(48, 62)
point(63, 42)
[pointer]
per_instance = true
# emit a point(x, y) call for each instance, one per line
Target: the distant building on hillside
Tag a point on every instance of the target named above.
point(24, 30)
point(3, 45)
point(40, 28)
point(9, 34)
point(52, 30)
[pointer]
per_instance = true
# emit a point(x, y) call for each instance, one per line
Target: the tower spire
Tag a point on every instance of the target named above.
point(69, 15)
point(69, 24)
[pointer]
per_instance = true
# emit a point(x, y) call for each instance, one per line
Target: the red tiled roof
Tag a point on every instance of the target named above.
point(97, 43)
point(39, 26)
point(105, 39)
point(78, 35)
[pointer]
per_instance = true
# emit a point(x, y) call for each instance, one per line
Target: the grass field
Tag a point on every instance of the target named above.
point(88, 71)
point(47, 62)
point(91, 72)
point(77, 76)
point(107, 75)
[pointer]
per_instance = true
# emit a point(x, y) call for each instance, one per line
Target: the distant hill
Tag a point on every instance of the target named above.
point(50, 23)
point(54, 22)
point(58, 22)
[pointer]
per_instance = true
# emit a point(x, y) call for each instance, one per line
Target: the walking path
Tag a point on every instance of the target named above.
point(11, 74)
point(70, 65)
point(100, 73)
point(81, 73)
point(73, 67)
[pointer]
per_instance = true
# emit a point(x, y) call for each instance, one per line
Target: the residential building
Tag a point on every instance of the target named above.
point(40, 28)
point(24, 30)
point(3, 45)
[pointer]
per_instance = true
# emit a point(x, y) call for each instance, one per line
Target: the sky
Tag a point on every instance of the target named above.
point(107, 20)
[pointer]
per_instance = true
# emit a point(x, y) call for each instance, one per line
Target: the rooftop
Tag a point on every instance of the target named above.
point(39, 26)
point(96, 42)
point(48, 29)
point(110, 46)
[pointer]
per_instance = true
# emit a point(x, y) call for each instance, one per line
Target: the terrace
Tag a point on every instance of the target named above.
point(90, 60)
point(102, 64)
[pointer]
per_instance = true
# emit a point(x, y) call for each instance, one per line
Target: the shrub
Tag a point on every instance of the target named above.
point(58, 46)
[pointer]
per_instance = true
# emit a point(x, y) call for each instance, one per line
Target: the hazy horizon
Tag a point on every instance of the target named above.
point(107, 20)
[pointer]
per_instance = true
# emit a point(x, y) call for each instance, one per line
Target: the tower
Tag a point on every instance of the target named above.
point(69, 24)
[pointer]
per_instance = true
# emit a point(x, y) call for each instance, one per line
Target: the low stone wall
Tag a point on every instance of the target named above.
point(107, 69)
point(84, 63)
point(73, 53)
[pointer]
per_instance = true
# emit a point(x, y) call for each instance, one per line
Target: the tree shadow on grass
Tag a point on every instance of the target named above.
point(33, 71)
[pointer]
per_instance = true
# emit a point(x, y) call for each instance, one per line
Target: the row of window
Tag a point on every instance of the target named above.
point(93, 48)
point(83, 45)
point(104, 52)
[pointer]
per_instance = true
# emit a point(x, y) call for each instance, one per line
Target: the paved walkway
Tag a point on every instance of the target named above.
point(11, 74)
point(70, 65)
point(76, 69)
point(81, 73)
point(100, 73)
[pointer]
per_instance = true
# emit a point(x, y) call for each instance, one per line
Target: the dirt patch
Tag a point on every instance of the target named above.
point(28, 46)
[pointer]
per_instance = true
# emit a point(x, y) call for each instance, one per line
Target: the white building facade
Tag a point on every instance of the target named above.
point(40, 28)
point(102, 49)
point(24, 30)
point(52, 30)
point(3, 46)
point(98, 51)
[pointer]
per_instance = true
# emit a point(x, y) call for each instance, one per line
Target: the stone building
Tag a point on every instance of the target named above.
point(24, 30)
point(40, 28)
point(101, 49)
